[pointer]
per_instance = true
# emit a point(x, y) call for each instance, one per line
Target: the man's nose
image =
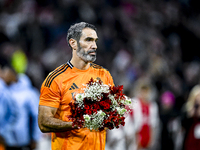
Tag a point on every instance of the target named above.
point(94, 45)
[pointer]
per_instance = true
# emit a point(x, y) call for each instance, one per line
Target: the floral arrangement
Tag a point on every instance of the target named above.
point(99, 106)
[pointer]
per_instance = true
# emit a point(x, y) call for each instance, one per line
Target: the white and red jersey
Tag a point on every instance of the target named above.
point(142, 119)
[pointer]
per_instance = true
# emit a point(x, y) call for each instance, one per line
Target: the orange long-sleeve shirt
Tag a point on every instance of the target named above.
point(56, 91)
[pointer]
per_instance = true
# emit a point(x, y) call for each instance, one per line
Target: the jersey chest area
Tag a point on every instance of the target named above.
point(72, 85)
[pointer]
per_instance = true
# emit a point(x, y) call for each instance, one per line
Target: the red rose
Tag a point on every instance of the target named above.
point(109, 119)
point(78, 109)
point(95, 110)
point(88, 111)
point(106, 121)
point(111, 127)
point(123, 123)
point(108, 101)
point(87, 107)
point(102, 103)
point(95, 106)
point(98, 107)
point(106, 106)
point(116, 122)
point(122, 118)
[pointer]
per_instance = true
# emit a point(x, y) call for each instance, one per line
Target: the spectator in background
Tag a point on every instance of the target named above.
point(25, 132)
point(8, 110)
point(115, 139)
point(170, 123)
point(140, 127)
point(191, 120)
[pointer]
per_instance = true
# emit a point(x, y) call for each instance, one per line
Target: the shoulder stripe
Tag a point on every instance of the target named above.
point(57, 75)
point(96, 66)
point(63, 70)
point(53, 73)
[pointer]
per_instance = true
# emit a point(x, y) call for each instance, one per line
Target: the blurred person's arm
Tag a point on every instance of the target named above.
point(8, 75)
point(12, 109)
point(130, 128)
point(48, 123)
point(133, 125)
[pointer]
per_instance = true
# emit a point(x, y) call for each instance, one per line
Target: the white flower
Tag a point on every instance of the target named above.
point(101, 114)
point(94, 122)
point(79, 99)
point(112, 98)
point(113, 101)
point(86, 117)
point(121, 111)
point(94, 91)
point(127, 101)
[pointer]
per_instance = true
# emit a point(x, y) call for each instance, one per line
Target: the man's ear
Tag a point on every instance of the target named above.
point(73, 44)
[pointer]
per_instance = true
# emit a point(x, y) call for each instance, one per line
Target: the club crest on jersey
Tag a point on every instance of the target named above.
point(98, 78)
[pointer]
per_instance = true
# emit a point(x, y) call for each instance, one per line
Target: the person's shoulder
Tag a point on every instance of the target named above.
point(103, 73)
point(135, 101)
point(56, 74)
point(95, 66)
point(61, 68)
point(100, 69)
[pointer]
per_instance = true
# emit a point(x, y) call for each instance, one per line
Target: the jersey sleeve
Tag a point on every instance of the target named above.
point(50, 95)
point(109, 78)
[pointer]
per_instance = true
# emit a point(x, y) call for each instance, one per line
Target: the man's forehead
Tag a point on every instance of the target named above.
point(88, 32)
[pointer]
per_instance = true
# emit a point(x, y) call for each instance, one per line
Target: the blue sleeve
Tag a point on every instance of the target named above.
point(11, 114)
point(8, 113)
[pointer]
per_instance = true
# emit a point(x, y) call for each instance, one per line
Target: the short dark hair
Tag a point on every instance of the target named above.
point(75, 31)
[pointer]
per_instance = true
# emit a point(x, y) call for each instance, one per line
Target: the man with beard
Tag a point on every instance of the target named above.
point(60, 84)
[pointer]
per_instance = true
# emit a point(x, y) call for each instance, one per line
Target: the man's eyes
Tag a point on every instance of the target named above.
point(91, 39)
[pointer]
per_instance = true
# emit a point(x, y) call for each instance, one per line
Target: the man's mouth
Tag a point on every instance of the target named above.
point(92, 53)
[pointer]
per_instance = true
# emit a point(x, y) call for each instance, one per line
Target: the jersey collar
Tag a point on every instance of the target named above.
point(70, 65)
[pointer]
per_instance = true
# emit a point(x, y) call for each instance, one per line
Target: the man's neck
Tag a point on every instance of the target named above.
point(80, 64)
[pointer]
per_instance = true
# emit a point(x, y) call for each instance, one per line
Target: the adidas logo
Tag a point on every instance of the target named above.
point(73, 86)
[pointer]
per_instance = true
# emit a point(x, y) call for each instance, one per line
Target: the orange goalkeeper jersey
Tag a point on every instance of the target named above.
point(56, 91)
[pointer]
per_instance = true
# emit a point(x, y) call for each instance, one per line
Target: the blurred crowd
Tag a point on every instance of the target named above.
point(147, 45)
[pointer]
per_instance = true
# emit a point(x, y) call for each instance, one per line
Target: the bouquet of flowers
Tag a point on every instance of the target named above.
point(99, 106)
